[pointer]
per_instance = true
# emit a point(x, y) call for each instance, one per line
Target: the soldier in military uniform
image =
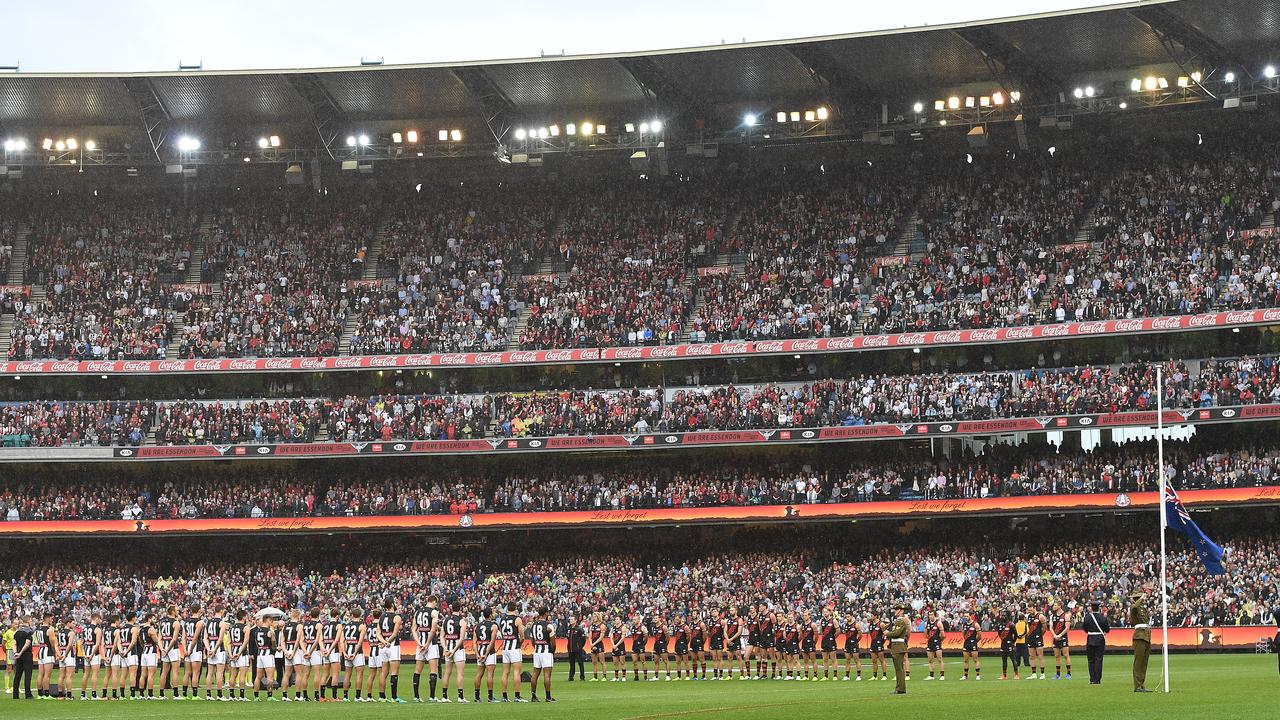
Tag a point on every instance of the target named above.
point(1140, 619)
point(899, 635)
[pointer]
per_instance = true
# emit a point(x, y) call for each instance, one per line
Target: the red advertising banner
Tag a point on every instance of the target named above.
point(714, 270)
point(892, 260)
point(1259, 232)
point(1136, 326)
point(658, 516)
point(15, 290)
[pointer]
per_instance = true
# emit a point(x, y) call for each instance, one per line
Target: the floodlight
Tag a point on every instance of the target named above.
point(600, 129)
point(364, 140)
point(455, 135)
point(264, 143)
point(953, 102)
point(918, 107)
point(72, 144)
point(1089, 91)
point(397, 138)
point(521, 134)
point(351, 141)
point(1229, 77)
point(822, 113)
point(939, 104)
point(655, 125)
point(1269, 71)
point(997, 98)
point(629, 127)
point(749, 119)
point(90, 145)
point(644, 127)
point(571, 129)
point(588, 128)
point(411, 136)
point(47, 144)
point(1135, 85)
point(810, 116)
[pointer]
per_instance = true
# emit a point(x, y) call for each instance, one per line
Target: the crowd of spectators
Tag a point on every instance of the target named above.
point(284, 263)
point(852, 474)
point(50, 423)
point(857, 400)
point(105, 262)
point(677, 574)
point(447, 259)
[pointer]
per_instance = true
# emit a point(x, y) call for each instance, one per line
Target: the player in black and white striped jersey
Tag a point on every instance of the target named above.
point(511, 627)
point(426, 634)
point(452, 650)
point(483, 638)
point(543, 634)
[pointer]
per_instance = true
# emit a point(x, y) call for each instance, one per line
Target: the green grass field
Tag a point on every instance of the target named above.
point(1203, 686)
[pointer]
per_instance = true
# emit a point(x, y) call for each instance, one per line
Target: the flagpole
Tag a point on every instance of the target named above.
point(1164, 520)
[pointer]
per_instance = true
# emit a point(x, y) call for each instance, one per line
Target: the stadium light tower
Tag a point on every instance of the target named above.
point(749, 119)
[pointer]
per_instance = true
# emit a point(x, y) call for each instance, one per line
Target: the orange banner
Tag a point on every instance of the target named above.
point(580, 518)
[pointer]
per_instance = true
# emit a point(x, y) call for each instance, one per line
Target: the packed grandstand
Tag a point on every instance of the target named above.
point(650, 378)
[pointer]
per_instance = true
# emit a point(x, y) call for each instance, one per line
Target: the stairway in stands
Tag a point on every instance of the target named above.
point(371, 271)
point(17, 272)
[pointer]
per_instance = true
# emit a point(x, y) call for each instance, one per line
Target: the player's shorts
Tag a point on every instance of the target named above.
point(174, 655)
point(597, 649)
point(375, 658)
point(717, 645)
point(970, 646)
point(1036, 643)
point(266, 660)
point(218, 657)
point(619, 649)
point(131, 660)
point(93, 660)
point(149, 660)
point(659, 649)
point(807, 646)
point(239, 662)
point(877, 646)
point(433, 652)
point(333, 657)
point(934, 645)
point(68, 662)
point(46, 657)
point(696, 647)
point(391, 653)
point(117, 660)
point(195, 656)
point(457, 655)
point(490, 660)
point(682, 648)
point(543, 660)
point(355, 661)
point(1061, 641)
point(290, 656)
point(316, 658)
point(512, 657)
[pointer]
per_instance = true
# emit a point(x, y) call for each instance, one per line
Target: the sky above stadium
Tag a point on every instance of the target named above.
point(139, 35)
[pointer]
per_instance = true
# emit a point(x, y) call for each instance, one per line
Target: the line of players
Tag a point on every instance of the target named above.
point(318, 655)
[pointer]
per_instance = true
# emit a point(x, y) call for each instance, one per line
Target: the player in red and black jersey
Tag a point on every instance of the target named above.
point(969, 647)
point(698, 647)
point(764, 644)
point(1036, 626)
point(808, 647)
point(595, 645)
point(1008, 644)
point(876, 628)
point(640, 649)
point(852, 653)
point(781, 646)
point(682, 649)
point(661, 647)
point(827, 630)
point(715, 640)
point(618, 648)
point(933, 631)
point(1059, 625)
point(735, 644)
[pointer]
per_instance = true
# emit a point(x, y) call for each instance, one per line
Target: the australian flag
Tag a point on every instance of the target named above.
point(1179, 519)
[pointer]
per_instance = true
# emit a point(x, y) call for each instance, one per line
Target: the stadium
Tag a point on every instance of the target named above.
point(766, 379)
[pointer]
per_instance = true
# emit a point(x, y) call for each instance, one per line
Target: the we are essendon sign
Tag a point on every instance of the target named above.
point(650, 517)
point(1180, 323)
point(660, 440)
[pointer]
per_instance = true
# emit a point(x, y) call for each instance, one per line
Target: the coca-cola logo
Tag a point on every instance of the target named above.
point(171, 366)
point(59, 366)
point(1055, 331)
point(382, 361)
point(247, 364)
point(1239, 317)
point(984, 335)
point(137, 366)
point(207, 365)
point(453, 359)
point(770, 346)
point(1088, 328)
point(1166, 323)
point(1270, 315)
point(312, 363)
point(489, 358)
point(29, 366)
point(951, 336)
point(1203, 320)
point(524, 356)
point(590, 354)
point(844, 343)
point(694, 350)
point(1019, 333)
point(664, 351)
point(1129, 325)
point(347, 362)
point(911, 339)
point(629, 353)
point(803, 345)
point(558, 355)
point(419, 360)
point(278, 364)
point(874, 341)
point(100, 366)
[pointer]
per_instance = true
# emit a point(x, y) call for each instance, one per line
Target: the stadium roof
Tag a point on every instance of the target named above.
point(1043, 56)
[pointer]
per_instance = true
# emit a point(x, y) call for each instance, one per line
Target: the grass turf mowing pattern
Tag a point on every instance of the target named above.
point(1222, 687)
